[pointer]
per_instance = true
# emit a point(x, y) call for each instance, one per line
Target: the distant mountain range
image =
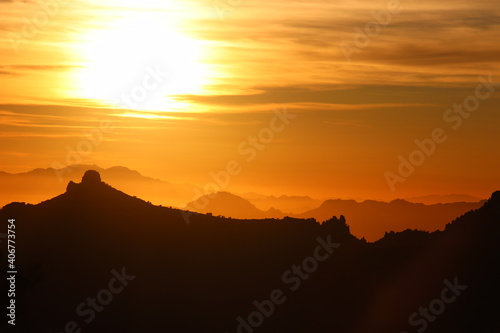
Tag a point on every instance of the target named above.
point(38, 184)
point(448, 198)
point(230, 205)
point(99, 260)
point(370, 219)
point(367, 219)
point(285, 203)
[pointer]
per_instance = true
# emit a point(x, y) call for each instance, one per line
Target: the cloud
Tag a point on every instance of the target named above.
point(22, 69)
point(336, 95)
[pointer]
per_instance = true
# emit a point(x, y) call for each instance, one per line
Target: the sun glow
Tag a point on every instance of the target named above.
point(139, 62)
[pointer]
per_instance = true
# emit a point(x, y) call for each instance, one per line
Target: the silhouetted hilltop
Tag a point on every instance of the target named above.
point(39, 184)
point(149, 268)
point(92, 192)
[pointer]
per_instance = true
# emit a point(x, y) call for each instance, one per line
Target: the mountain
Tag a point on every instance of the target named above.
point(230, 205)
point(284, 203)
point(370, 219)
point(38, 184)
point(98, 260)
point(447, 198)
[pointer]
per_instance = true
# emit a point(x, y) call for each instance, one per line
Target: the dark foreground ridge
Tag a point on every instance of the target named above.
point(98, 260)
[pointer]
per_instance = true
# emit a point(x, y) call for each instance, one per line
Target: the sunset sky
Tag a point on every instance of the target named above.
point(204, 77)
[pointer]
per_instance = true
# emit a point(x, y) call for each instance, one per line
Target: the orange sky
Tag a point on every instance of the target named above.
point(203, 78)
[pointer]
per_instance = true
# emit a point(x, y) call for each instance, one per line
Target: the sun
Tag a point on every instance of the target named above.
point(139, 62)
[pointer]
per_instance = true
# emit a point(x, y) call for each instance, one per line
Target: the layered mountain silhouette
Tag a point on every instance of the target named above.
point(39, 184)
point(285, 203)
point(448, 198)
point(231, 205)
point(369, 219)
point(170, 270)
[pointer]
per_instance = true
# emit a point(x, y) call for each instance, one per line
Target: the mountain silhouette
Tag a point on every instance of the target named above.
point(370, 219)
point(448, 198)
point(37, 185)
point(147, 270)
point(231, 205)
point(284, 203)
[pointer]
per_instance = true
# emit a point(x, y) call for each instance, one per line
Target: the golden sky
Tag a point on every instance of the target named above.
point(186, 85)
